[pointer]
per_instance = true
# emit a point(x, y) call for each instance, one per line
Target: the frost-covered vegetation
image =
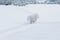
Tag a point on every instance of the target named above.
point(25, 2)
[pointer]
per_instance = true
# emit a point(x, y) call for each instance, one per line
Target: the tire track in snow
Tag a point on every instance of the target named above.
point(7, 29)
point(23, 27)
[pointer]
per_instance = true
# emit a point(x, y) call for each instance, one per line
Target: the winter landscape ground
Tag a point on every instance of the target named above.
point(14, 25)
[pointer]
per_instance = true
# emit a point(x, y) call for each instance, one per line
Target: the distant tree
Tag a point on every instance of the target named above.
point(52, 0)
point(23, 2)
point(5, 2)
point(17, 2)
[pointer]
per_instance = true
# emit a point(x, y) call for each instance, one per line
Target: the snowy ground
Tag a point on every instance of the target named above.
point(14, 25)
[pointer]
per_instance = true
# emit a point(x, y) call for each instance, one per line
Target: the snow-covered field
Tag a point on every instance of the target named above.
point(14, 25)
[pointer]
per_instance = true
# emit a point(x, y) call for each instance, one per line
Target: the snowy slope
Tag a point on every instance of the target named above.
point(14, 25)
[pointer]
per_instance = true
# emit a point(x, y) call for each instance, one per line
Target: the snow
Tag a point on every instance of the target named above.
point(14, 25)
